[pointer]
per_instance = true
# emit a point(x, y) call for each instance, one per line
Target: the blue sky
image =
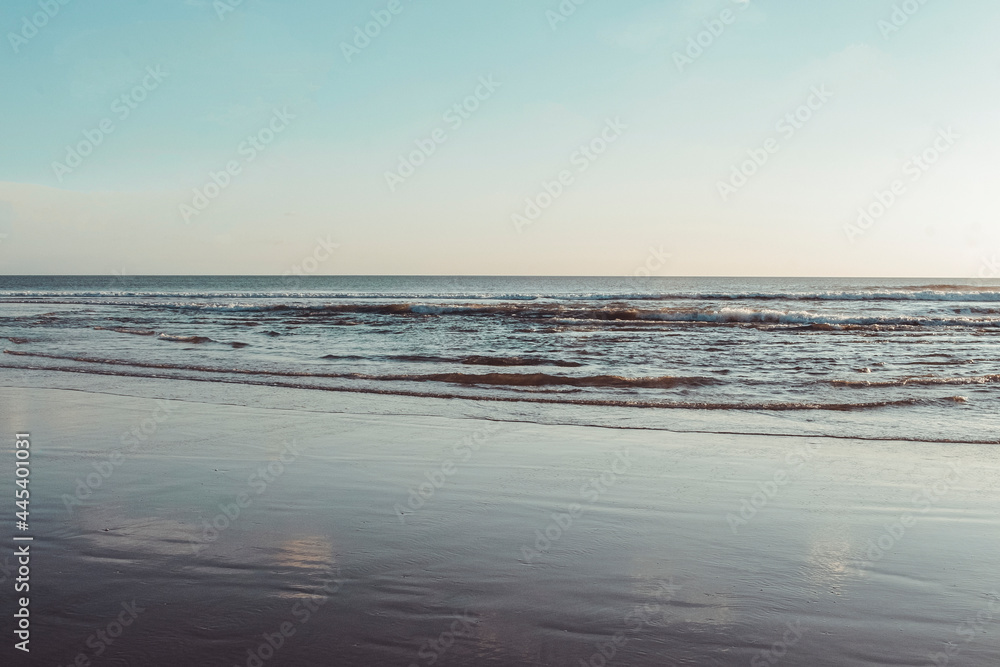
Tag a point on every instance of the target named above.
point(890, 91)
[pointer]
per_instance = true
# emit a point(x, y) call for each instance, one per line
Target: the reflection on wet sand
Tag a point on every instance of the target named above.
point(651, 574)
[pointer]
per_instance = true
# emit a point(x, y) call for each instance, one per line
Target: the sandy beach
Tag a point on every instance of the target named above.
point(230, 535)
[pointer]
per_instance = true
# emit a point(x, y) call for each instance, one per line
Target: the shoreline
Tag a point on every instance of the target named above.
point(248, 395)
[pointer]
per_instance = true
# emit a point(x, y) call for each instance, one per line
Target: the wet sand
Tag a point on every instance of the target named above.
point(180, 533)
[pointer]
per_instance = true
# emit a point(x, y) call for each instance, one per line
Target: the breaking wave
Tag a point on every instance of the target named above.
point(925, 381)
point(518, 361)
point(197, 340)
point(776, 406)
point(609, 313)
point(495, 379)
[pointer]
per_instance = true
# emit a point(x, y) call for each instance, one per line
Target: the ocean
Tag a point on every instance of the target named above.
point(900, 359)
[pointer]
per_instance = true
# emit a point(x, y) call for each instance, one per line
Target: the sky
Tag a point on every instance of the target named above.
point(522, 137)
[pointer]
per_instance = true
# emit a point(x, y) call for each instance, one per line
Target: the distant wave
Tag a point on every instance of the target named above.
point(611, 312)
point(941, 292)
point(950, 287)
point(801, 317)
point(333, 314)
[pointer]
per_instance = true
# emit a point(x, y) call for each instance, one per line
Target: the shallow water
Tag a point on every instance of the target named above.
point(872, 358)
